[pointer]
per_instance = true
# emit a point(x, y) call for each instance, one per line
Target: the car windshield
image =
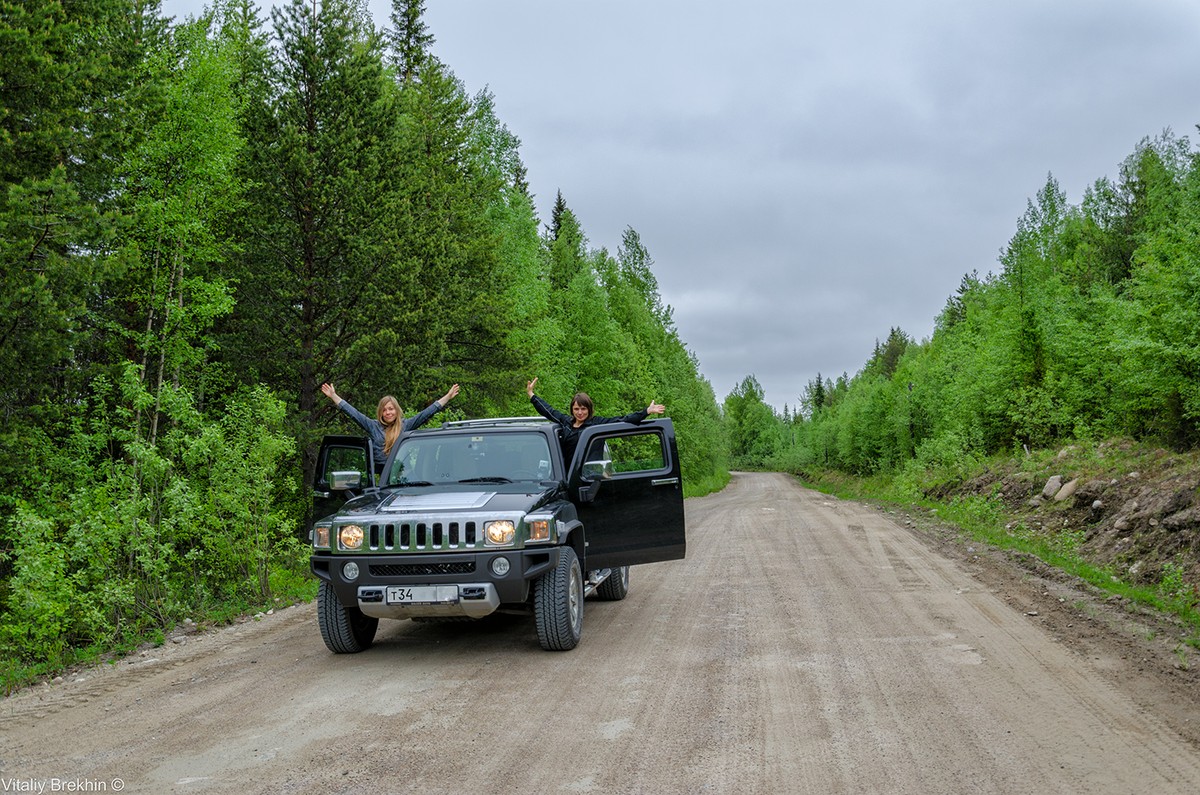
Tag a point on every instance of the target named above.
point(477, 457)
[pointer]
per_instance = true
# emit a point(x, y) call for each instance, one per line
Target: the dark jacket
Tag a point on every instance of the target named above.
point(566, 424)
point(374, 428)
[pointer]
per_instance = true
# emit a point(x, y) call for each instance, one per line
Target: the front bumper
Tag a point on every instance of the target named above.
point(467, 585)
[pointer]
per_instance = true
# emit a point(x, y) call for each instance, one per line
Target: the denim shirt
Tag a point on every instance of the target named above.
point(374, 427)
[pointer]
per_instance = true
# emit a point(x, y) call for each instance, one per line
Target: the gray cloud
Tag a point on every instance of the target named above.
point(808, 175)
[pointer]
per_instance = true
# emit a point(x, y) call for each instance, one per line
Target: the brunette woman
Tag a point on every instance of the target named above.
point(582, 416)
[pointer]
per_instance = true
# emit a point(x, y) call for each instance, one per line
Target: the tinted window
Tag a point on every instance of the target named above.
point(632, 453)
point(344, 459)
point(446, 458)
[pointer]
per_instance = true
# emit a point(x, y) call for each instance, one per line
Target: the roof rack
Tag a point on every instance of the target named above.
point(488, 421)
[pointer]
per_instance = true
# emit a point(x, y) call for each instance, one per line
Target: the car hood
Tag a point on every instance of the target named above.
point(494, 498)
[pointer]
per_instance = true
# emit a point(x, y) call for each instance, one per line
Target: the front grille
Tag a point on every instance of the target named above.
point(421, 569)
point(422, 536)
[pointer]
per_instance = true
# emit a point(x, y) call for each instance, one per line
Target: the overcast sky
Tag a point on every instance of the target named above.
point(807, 175)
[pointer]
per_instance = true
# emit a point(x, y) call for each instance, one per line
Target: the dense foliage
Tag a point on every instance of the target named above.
point(199, 224)
point(1089, 329)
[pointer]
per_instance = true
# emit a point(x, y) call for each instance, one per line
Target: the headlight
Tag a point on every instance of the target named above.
point(539, 529)
point(320, 538)
point(499, 533)
point(350, 536)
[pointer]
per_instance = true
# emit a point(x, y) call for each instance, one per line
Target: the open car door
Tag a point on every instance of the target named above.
point(343, 472)
point(627, 487)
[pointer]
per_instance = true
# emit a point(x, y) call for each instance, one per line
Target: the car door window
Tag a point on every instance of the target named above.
point(634, 453)
point(345, 459)
point(635, 515)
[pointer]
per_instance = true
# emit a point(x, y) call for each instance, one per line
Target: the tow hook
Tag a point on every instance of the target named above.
point(471, 592)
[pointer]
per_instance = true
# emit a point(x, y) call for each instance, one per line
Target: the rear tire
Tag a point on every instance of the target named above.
point(558, 603)
point(615, 586)
point(345, 630)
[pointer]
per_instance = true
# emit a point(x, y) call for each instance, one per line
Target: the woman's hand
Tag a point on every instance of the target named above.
point(446, 398)
point(529, 387)
point(655, 408)
point(331, 393)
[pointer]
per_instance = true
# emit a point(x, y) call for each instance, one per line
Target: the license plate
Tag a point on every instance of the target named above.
point(421, 594)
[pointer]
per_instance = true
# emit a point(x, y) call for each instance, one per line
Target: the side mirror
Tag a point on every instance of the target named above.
point(345, 480)
point(597, 470)
point(593, 474)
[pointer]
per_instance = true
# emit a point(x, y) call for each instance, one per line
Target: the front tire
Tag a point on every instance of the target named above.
point(558, 603)
point(615, 586)
point(345, 630)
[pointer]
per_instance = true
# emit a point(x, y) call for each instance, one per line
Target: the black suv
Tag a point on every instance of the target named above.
point(485, 515)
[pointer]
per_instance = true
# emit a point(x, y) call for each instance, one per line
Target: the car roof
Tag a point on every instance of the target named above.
point(490, 423)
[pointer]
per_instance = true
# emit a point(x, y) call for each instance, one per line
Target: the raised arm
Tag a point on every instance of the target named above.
point(412, 423)
point(369, 425)
point(446, 398)
point(634, 418)
point(544, 408)
point(331, 393)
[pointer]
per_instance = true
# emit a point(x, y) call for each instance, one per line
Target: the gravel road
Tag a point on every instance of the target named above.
point(806, 645)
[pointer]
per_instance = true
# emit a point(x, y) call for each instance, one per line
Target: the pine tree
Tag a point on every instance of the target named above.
point(886, 358)
point(70, 76)
point(450, 165)
point(567, 248)
point(814, 398)
point(322, 203)
point(556, 217)
point(408, 40)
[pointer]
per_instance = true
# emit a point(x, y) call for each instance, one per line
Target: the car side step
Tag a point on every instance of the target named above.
point(594, 578)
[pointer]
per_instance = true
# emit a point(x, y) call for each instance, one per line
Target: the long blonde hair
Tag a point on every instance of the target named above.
point(390, 432)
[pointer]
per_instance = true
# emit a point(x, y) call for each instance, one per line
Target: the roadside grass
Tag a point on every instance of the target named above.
point(986, 520)
point(708, 485)
point(16, 674)
point(287, 587)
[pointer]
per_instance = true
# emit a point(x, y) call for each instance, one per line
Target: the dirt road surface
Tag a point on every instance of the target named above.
point(806, 645)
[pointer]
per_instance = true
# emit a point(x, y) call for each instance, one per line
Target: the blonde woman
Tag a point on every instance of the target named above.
point(389, 423)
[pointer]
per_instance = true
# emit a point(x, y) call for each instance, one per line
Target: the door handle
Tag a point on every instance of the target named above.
point(664, 482)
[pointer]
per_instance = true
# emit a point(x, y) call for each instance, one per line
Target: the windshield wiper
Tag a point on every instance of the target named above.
point(411, 483)
point(487, 479)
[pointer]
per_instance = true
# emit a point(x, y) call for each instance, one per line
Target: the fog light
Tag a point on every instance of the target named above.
point(350, 571)
point(500, 566)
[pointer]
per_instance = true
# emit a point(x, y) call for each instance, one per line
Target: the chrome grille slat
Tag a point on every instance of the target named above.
point(422, 535)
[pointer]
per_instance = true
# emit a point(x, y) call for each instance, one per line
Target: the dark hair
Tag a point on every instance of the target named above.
point(582, 399)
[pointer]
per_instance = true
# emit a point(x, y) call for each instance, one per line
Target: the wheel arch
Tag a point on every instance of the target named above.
point(575, 536)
